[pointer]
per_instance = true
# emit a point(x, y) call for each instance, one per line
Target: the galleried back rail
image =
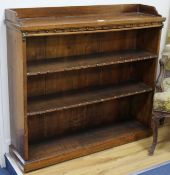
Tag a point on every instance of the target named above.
point(81, 79)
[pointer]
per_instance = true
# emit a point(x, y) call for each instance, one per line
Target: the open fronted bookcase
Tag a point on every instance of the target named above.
point(81, 79)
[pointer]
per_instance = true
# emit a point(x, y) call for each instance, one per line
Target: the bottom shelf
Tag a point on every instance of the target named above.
point(59, 150)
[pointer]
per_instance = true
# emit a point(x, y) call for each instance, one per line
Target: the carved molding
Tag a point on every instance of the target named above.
point(161, 76)
point(94, 28)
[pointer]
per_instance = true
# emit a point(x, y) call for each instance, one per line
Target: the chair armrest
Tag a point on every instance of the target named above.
point(161, 76)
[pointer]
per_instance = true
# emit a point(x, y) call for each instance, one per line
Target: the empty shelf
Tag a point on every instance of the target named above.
point(51, 103)
point(88, 142)
point(45, 66)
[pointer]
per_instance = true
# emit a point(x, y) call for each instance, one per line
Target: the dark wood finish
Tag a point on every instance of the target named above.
point(155, 124)
point(55, 102)
point(86, 140)
point(17, 91)
point(44, 47)
point(72, 19)
point(81, 79)
point(80, 144)
point(45, 66)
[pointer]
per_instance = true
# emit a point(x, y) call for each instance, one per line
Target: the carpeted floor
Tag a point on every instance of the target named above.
point(3, 171)
point(162, 169)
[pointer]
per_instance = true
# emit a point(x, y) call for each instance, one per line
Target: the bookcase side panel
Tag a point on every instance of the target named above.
point(17, 91)
point(149, 40)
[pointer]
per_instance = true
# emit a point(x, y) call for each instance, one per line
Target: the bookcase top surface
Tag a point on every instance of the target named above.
point(83, 18)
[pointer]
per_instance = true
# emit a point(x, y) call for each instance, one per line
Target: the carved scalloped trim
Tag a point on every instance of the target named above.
point(93, 28)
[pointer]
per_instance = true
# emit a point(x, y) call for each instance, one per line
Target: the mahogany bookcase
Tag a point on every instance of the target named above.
point(81, 79)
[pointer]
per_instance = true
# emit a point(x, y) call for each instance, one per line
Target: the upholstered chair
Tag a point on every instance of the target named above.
point(161, 106)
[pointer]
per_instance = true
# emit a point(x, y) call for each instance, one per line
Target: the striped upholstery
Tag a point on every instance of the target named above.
point(162, 99)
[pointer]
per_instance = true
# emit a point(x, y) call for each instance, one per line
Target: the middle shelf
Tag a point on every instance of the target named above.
point(55, 102)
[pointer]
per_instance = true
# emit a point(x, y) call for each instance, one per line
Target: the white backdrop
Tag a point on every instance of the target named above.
point(162, 6)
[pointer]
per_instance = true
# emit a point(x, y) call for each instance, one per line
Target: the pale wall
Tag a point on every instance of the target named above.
point(161, 5)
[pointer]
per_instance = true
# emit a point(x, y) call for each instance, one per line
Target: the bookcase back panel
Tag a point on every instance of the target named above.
point(60, 123)
point(92, 77)
point(142, 108)
point(140, 73)
point(73, 80)
point(148, 39)
point(48, 47)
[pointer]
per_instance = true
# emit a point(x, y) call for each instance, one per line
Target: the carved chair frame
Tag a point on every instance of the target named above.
point(159, 116)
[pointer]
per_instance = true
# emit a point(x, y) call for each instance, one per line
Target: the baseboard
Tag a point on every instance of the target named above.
point(11, 166)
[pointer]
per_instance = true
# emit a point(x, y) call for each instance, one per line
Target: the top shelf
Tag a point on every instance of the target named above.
point(46, 66)
point(41, 21)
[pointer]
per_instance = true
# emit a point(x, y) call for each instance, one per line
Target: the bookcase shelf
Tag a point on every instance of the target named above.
point(54, 102)
point(88, 142)
point(81, 79)
point(45, 66)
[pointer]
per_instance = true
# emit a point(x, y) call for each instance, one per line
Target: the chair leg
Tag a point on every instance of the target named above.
point(162, 120)
point(155, 123)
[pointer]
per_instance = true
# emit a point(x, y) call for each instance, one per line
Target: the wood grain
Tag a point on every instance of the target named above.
point(51, 103)
point(83, 144)
point(17, 91)
point(46, 66)
point(87, 16)
point(114, 160)
point(81, 79)
point(77, 120)
point(47, 47)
